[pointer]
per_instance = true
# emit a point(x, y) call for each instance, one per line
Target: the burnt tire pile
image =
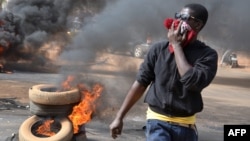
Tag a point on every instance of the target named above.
point(46, 102)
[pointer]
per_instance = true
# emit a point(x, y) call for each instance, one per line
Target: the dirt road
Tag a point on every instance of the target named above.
point(226, 100)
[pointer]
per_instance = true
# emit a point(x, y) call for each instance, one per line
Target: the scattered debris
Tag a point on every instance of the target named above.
point(10, 103)
point(4, 70)
point(14, 137)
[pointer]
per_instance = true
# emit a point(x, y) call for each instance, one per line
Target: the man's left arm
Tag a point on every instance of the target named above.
point(203, 72)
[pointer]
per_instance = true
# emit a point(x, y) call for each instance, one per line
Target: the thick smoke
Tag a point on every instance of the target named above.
point(128, 20)
point(121, 21)
point(35, 23)
point(228, 25)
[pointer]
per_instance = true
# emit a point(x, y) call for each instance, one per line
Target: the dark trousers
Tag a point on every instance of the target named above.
point(157, 130)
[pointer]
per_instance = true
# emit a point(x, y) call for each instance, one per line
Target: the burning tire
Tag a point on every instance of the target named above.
point(50, 110)
point(65, 133)
point(48, 94)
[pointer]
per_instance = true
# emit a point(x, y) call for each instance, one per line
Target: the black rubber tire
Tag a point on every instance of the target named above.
point(46, 94)
point(64, 134)
point(50, 110)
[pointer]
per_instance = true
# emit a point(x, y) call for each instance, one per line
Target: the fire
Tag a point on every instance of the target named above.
point(67, 84)
point(44, 129)
point(82, 112)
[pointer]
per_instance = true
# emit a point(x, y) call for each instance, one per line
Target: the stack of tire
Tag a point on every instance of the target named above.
point(47, 102)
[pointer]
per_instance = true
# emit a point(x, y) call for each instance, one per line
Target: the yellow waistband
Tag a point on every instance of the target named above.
point(185, 120)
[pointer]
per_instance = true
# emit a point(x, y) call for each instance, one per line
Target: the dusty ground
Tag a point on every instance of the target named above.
point(226, 100)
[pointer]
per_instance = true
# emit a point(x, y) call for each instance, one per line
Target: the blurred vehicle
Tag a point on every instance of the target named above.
point(75, 27)
point(229, 58)
point(136, 49)
point(141, 50)
point(125, 48)
point(233, 61)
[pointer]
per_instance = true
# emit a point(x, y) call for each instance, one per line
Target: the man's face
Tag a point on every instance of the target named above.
point(186, 15)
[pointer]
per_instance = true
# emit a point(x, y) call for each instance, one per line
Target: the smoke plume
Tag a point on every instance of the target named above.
point(115, 23)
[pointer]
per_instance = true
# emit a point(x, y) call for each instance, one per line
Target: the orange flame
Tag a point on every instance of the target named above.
point(82, 112)
point(67, 84)
point(44, 129)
